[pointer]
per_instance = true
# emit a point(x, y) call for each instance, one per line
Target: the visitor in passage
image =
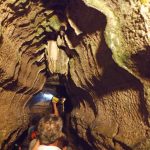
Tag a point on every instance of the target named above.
point(50, 132)
point(32, 134)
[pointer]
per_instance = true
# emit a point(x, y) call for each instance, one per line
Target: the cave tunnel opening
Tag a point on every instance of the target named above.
point(40, 104)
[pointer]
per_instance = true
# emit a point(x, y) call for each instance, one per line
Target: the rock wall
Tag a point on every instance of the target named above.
point(24, 26)
point(100, 48)
point(111, 104)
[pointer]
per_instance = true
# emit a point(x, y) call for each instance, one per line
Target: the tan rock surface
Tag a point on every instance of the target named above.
point(101, 49)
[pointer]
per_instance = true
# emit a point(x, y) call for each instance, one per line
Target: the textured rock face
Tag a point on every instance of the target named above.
point(21, 62)
point(101, 48)
point(113, 109)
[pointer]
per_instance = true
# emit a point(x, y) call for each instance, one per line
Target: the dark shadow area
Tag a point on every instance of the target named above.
point(142, 106)
point(80, 95)
point(20, 10)
point(5, 142)
point(54, 4)
point(88, 20)
point(142, 62)
point(93, 140)
point(59, 7)
point(21, 141)
point(124, 146)
point(79, 142)
point(1, 40)
point(68, 104)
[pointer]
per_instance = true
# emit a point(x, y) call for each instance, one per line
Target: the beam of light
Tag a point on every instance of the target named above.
point(48, 96)
point(42, 97)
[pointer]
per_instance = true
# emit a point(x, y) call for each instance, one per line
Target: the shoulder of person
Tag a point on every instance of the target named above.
point(44, 147)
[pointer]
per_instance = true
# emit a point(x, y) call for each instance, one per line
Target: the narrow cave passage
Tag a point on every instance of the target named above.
point(106, 107)
point(40, 105)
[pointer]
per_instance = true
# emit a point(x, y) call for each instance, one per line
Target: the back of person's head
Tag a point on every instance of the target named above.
point(50, 129)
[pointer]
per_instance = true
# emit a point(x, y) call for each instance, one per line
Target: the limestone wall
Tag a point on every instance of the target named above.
point(101, 48)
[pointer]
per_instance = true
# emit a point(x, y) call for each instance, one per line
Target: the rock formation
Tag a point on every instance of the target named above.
point(101, 50)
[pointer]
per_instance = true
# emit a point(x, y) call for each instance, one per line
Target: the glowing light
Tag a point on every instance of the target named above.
point(47, 96)
point(41, 98)
point(144, 1)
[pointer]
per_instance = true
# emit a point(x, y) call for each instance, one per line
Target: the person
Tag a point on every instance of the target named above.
point(55, 101)
point(50, 132)
point(51, 136)
point(32, 134)
point(58, 103)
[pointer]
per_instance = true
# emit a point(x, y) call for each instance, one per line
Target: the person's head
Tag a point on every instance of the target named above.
point(63, 99)
point(50, 129)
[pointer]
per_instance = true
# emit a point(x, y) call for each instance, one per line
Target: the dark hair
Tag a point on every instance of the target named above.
point(62, 142)
point(50, 129)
